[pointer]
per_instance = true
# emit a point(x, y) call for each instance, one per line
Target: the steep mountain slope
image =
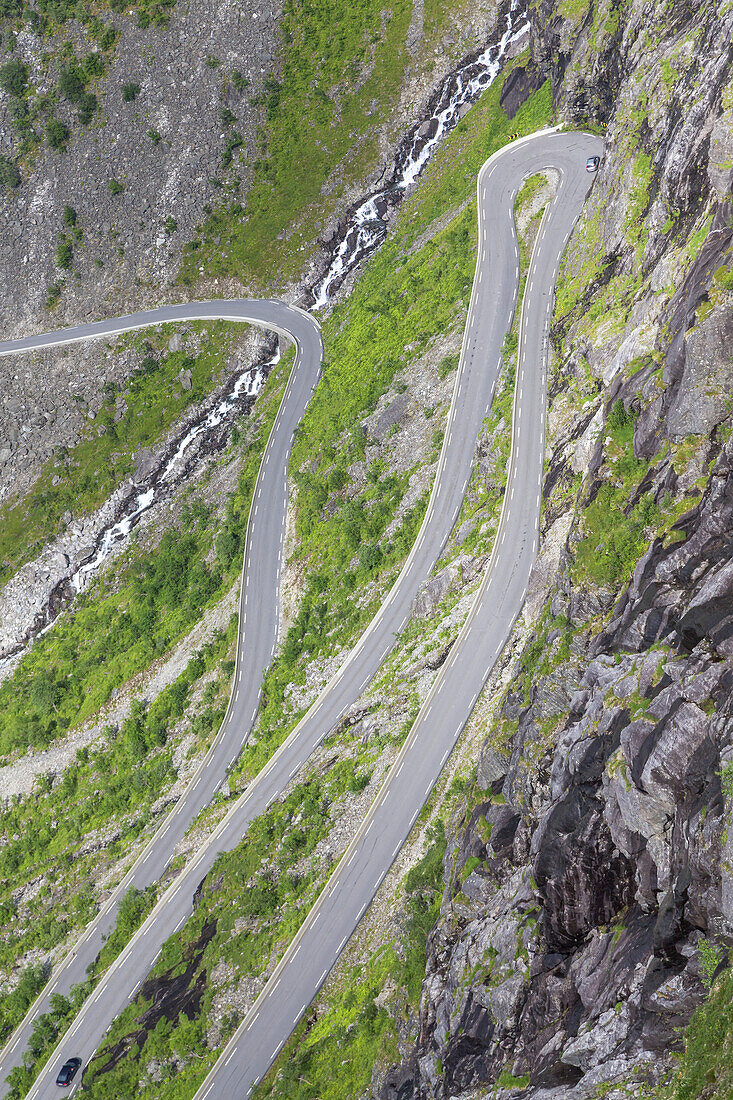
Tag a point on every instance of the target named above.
point(581, 827)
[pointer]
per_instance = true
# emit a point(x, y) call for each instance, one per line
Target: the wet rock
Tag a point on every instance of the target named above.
point(582, 879)
point(398, 1084)
point(518, 87)
point(146, 463)
point(169, 996)
point(389, 417)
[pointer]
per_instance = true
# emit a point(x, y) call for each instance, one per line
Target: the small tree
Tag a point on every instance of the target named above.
point(94, 64)
point(57, 133)
point(9, 174)
point(130, 91)
point(14, 78)
point(71, 82)
point(239, 81)
point(115, 187)
point(87, 106)
point(69, 217)
point(64, 253)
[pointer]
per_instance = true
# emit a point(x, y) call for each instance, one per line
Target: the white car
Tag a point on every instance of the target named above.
point(591, 165)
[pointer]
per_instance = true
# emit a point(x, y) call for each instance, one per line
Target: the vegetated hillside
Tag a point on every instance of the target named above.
point(161, 140)
point(146, 149)
point(242, 183)
point(120, 122)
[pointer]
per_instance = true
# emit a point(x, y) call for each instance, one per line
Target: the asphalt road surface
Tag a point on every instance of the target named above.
point(336, 914)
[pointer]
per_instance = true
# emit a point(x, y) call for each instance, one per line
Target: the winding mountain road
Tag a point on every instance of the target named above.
point(338, 910)
point(354, 882)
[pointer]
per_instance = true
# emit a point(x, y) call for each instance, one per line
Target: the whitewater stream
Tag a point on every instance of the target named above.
point(366, 228)
point(247, 385)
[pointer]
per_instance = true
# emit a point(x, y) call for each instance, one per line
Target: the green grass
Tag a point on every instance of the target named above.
point(117, 780)
point(251, 904)
point(47, 1028)
point(332, 1055)
point(573, 10)
point(615, 535)
point(637, 232)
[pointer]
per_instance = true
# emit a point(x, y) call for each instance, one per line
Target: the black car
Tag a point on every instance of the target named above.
point(68, 1072)
point(591, 165)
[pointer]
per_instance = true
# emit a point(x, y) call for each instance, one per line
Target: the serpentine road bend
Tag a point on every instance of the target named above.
point(334, 917)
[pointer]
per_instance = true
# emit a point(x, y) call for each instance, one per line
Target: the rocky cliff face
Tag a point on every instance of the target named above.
point(588, 894)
